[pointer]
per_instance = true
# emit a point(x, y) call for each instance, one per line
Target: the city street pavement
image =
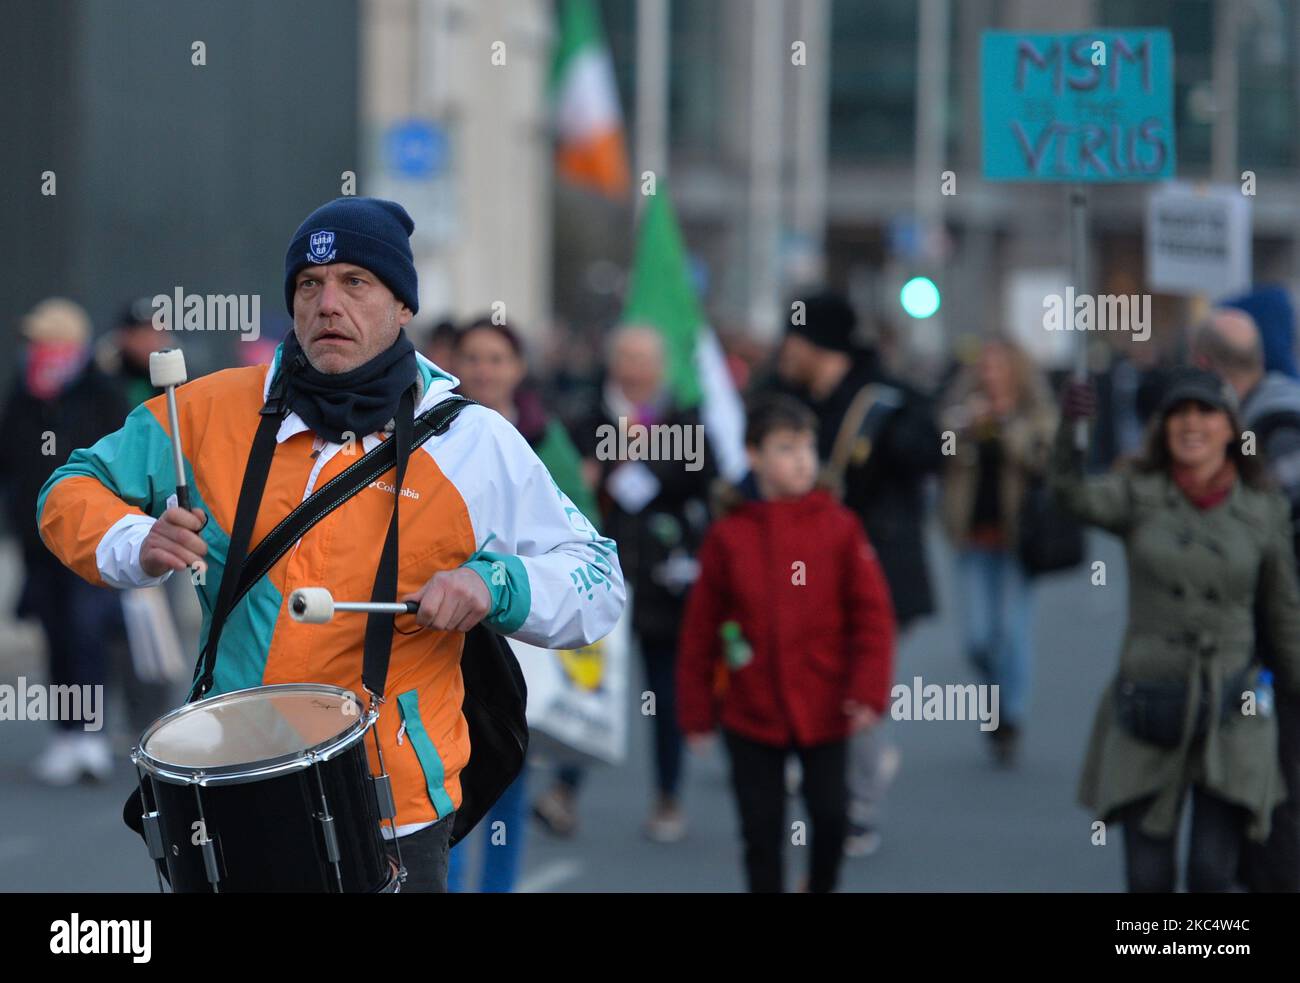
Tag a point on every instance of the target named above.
point(954, 822)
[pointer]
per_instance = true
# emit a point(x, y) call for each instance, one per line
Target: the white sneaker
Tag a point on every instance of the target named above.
point(793, 776)
point(96, 756)
point(861, 841)
point(70, 756)
point(60, 762)
point(891, 758)
point(667, 824)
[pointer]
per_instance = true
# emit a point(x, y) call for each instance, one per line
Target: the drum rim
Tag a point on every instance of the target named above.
point(265, 768)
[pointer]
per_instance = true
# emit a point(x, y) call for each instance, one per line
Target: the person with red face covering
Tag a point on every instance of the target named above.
point(59, 402)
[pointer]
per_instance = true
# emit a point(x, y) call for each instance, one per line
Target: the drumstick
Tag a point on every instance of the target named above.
point(167, 371)
point(316, 605)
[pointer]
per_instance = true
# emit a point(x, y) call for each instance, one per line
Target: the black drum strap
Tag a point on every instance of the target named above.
point(379, 627)
point(244, 569)
point(338, 490)
point(250, 499)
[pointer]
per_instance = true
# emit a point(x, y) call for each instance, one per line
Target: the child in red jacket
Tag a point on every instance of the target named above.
point(791, 600)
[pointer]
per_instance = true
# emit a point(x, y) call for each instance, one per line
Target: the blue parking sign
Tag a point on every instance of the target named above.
point(415, 148)
point(1085, 106)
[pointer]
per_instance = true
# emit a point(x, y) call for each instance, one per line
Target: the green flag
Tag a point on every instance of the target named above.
point(662, 296)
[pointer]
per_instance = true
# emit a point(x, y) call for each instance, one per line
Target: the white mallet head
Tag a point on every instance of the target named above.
point(313, 605)
point(167, 367)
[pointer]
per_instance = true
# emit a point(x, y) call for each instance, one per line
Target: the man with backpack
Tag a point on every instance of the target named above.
point(877, 442)
point(1229, 344)
point(485, 534)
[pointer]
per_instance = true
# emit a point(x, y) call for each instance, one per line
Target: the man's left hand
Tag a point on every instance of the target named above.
point(452, 600)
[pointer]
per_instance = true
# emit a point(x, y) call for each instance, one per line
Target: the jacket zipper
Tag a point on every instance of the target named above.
point(318, 445)
point(774, 635)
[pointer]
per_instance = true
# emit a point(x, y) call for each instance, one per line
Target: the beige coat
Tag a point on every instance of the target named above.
point(1026, 437)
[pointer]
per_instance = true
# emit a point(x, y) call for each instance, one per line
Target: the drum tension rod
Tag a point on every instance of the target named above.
point(327, 828)
point(206, 845)
point(384, 796)
point(384, 788)
point(152, 824)
point(153, 835)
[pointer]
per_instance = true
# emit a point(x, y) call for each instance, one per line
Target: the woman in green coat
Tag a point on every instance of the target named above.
point(1208, 550)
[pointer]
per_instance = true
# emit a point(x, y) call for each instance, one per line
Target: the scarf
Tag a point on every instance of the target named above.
point(51, 365)
point(360, 401)
point(1209, 493)
point(647, 414)
point(530, 415)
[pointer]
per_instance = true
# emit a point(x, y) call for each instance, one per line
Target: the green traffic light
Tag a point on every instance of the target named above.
point(919, 297)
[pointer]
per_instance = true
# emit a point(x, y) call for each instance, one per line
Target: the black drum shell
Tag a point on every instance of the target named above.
point(267, 833)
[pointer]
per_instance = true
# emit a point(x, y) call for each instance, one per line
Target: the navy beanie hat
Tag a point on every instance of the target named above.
point(369, 232)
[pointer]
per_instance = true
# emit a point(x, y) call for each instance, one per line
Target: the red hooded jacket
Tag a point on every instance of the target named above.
point(820, 634)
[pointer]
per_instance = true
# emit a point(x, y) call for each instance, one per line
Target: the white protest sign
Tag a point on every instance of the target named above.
point(578, 698)
point(1198, 240)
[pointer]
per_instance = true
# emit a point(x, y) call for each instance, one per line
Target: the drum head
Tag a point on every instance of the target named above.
point(252, 729)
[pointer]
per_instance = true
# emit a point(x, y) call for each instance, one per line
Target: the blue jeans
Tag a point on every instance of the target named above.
point(660, 660)
point(997, 603)
point(81, 623)
point(502, 858)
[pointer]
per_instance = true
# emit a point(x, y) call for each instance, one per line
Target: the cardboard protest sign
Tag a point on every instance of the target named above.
point(1088, 106)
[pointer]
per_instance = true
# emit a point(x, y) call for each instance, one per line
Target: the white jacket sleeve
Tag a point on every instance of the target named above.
point(555, 581)
point(118, 553)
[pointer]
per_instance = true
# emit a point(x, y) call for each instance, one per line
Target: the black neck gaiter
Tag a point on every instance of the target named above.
point(360, 401)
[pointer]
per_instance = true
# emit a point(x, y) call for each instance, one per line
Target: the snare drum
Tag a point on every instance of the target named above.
point(265, 789)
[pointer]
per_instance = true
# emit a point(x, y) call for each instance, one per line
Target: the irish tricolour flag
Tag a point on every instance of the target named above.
point(591, 146)
point(662, 296)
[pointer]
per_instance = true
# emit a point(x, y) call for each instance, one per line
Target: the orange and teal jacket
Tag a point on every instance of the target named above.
point(475, 497)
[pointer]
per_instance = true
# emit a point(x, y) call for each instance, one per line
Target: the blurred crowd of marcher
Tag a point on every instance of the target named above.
point(770, 610)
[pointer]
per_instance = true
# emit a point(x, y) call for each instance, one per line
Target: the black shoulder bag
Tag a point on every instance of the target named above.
point(1050, 538)
point(495, 693)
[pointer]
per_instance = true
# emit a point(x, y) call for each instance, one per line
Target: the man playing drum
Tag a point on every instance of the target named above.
point(485, 534)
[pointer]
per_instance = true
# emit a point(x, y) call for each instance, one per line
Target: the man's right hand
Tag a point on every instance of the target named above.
point(174, 543)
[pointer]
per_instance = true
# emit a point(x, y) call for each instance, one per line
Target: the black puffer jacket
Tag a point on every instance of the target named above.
point(887, 492)
point(86, 410)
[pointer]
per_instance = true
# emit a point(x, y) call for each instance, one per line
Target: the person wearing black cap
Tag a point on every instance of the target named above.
point(1208, 545)
point(891, 442)
point(123, 354)
point(877, 442)
point(150, 664)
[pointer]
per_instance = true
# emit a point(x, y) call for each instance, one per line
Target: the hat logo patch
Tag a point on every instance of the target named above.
point(321, 247)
